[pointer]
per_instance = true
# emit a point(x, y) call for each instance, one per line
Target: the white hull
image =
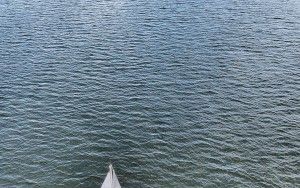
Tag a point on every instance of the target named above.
point(111, 180)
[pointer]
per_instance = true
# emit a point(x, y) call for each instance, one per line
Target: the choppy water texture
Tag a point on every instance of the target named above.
point(194, 93)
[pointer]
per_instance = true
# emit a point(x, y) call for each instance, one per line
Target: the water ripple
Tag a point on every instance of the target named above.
point(174, 94)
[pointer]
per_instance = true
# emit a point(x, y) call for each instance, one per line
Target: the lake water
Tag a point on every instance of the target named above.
point(194, 93)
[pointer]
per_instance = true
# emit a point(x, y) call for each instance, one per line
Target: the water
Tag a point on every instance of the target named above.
point(195, 93)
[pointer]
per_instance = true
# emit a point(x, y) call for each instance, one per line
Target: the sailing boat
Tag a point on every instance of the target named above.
point(111, 180)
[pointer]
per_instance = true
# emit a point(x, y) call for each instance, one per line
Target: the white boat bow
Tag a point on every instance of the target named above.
point(111, 180)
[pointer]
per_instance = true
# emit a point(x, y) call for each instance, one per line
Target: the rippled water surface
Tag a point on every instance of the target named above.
point(194, 93)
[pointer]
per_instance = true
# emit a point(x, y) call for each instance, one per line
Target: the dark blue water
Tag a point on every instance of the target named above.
point(194, 93)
